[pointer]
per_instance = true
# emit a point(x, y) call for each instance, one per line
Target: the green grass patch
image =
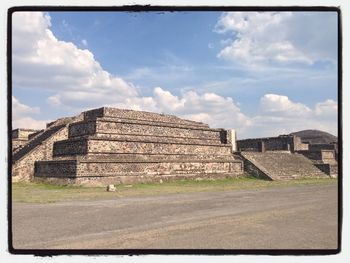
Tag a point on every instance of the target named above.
point(47, 193)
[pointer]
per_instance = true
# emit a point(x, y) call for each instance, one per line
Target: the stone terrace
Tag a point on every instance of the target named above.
point(278, 165)
point(124, 146)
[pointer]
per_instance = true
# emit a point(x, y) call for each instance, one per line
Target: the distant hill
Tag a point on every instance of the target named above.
point(315, 136)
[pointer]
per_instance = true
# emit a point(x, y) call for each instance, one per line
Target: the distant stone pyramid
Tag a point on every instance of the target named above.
point(111, 146)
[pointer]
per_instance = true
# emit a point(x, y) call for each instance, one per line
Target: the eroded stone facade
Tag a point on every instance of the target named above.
point(111, 146)
point(323, 156)
point(21, 136)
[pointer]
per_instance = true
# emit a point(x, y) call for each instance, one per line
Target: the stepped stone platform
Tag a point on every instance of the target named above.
point(323, 158)
point(280, 165)
point(112, 146)
point(38, 147)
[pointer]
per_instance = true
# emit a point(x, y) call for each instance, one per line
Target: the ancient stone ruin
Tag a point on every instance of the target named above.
point(111, 146)
point(38, 147)
point(21, 136)
point(287, 157)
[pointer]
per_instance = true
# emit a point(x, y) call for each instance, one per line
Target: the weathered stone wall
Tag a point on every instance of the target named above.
point(281, 165)
point(255, 171)
point(130, 145)
point(322, 146)
point(268, 144)
point(137, 127)
point(20, 137)
point(65, 121)
point(22, 133)
point(18, 143)
point(299, 145)
point(32, 135)
point(100, 173)
point(280, 143)
point(24, 159)
point(138, 115)
point(329, 169)
point(326, 156)
point(95, 145)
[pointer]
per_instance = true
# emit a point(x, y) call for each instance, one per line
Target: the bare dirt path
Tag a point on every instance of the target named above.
point(295, 217)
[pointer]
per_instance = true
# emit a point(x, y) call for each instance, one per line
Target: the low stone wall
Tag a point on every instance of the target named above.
point(88, 145)
point(112, 126)
point(265, 144)
point(321, 146)
point(138, 115)
point(130, 179)
point(23, 133)
point(280, 143)
point(119, 172)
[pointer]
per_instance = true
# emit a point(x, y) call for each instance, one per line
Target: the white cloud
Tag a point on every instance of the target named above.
point(41, 61)
point(327, 108)
point(217, 111)
point(282, 105)
point(21, 116)
point(76, 81)
point(79, 82)
point(279, 115)
point(19, 109)
point(263, 38)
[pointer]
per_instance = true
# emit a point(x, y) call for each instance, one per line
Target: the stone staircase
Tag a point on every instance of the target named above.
point(279, 165)
point(111, 146)
point(34, 142)
point(38, 148)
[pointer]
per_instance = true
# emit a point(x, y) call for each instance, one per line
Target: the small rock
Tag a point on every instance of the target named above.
point(111, 188)
point(160, 181)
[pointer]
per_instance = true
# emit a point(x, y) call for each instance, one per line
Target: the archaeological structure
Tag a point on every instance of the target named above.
point(21, 136)
point(113, 146)
point(287, 157)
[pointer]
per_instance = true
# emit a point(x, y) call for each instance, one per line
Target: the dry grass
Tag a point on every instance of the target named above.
point(45, 193)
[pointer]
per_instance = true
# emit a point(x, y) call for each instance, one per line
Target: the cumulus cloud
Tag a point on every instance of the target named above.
point(21, 116)
point(218, 111)
point(279, 115)
point(41, 61)
point(327, 109)
point(76, 81)
point(208, 107)
point(282, 105)
point(262, 38)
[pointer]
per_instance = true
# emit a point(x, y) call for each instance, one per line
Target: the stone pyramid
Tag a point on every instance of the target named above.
point(112, 146)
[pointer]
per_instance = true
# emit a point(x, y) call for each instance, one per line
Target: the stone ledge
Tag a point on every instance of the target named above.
point(139, 140)
point(147, 123)
point(136, 115)
point(147, 136)
point(103, 181)
point(78, 160)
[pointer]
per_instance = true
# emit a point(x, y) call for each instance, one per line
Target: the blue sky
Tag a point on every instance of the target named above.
point(263, 73)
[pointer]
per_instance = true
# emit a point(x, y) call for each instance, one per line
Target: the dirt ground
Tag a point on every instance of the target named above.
point(291, 217)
